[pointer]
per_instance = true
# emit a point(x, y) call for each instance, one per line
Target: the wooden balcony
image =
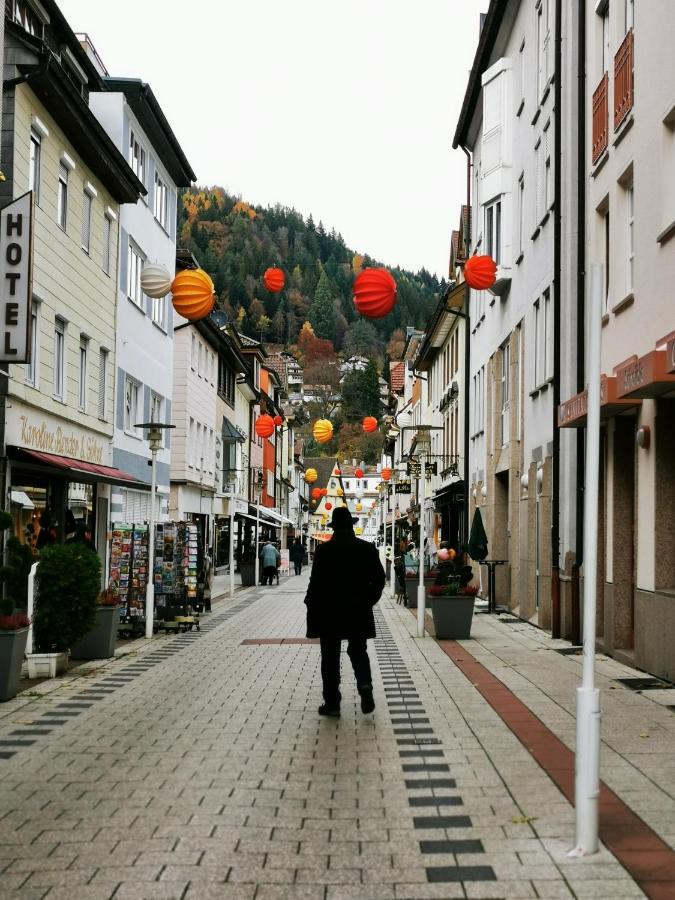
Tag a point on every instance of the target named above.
point(623, 80)
point(600, 118)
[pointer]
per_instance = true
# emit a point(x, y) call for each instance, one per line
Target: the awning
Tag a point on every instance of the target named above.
point(275, 516)
point(21, 499)
point(572, 413)
point(646, 376)
point(230, 433)
point(78, 469)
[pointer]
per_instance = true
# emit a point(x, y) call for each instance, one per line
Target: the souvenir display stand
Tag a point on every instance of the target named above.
point(128, 575)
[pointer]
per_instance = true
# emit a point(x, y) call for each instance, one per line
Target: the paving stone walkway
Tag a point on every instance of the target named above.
point(198, 768)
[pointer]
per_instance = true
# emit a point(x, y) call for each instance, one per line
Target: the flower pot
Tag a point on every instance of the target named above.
point(46, 665)
point(452, 617)
point(411, 585)
point(12, 649)
point(247, 572)
point(99, 643)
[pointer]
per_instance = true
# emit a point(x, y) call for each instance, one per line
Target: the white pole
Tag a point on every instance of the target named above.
point(150, 577)
point(421, 609)
point(232, 549)
point(31, 605)
point(392, 575)
point(587, 762)
point(384, 523)
point(257, 539)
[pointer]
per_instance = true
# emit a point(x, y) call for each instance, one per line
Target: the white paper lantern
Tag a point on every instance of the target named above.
point(155, 281)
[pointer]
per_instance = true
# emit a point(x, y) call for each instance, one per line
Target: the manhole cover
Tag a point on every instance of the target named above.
point(643, 684)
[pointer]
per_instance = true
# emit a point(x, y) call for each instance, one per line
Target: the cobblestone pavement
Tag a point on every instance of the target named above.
point(199, 768)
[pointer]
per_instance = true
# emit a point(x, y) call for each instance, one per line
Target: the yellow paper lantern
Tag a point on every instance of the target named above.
point(193, 294)
point(358, 507)
point(311, 475)
point(340, 492)
point(322, 431)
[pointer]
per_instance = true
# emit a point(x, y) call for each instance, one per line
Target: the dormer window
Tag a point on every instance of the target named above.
point(31, 17)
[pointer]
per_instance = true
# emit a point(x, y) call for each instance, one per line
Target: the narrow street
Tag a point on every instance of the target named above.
point(198, 768)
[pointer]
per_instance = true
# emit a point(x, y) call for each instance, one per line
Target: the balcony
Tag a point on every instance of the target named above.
point(623, 80)
point(600, 119)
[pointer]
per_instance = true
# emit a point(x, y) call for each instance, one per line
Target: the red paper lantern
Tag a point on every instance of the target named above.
point(480, 272)
point(358, 473)
point(386, 474)
point(324, 492)
point(278, 421)
point(374, 293)
point(264, 426)
point(369, 424)
point(374, 504)
point(328, 505)
point(316, 494)
point(274, 280)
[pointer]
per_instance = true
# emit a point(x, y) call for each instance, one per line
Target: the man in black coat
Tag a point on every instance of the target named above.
point(346, 582)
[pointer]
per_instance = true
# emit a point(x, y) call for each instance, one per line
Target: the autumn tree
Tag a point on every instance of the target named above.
point(354, 443)
point(396, 345)
point(313, 349)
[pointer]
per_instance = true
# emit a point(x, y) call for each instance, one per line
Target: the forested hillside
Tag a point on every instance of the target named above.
point(236, 242)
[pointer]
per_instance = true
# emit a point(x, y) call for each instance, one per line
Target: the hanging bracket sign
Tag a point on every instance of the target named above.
point(16, 270)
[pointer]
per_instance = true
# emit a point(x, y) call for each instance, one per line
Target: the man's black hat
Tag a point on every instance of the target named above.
point(342, 518)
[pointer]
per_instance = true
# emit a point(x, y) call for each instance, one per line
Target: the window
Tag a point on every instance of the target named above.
point(199, 360)
point(102, 384)
point(131, 398)
point(605, 39)
point(199, 447)
point(226, 381)
point(506, 391)
point(34, 164)
point(62, 197)
point(521, 60)
point(543, 330)
point(548, 171)
point(606, 224)
point(193, 353)
point(33, 367)
point(543, 47)
point(191, 444)
point(161, 201)
point(137, 159)
point(158, 311)
point(87, 205)
point(493, 229)
point(59, 358)
point(107, 257)
point(539, 207)
point(630, 237)
point(82, 381)
point(26, 18)
point(521, 215)
point(135, 269)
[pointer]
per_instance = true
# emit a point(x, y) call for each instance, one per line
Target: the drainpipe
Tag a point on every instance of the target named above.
point(581, 320)
point(467, 351)
point(557, 268)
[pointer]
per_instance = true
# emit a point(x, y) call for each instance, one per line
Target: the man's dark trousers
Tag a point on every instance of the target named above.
point(330, 666)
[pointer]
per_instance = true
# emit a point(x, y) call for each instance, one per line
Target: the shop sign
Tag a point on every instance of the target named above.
point(16, 270)
point(631, 376)
point(48, 435)
point(403, 487)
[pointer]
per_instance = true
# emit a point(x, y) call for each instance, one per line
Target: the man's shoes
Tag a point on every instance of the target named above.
point(332, 711)
point(367, 699)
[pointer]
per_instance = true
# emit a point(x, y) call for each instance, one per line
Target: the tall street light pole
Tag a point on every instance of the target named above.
point(423, 446)
point(392, 574)
point(257, 491)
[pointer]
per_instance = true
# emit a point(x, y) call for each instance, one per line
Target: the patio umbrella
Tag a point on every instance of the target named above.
point(478, 542)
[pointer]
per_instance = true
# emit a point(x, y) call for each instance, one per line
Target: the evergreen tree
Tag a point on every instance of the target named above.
point(322, 311)
point(361, 394)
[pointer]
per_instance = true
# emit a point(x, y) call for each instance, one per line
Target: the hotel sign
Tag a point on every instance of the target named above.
point(647, 376)
point(40, 431)
point(16, 269)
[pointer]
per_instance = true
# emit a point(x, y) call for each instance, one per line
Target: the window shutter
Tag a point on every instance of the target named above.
point(539, 174)
point(86, 221)
point(102, 382)
point(106, 245)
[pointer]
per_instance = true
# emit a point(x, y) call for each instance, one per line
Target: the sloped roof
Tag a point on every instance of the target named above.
point(397, 376)
point(278, 363)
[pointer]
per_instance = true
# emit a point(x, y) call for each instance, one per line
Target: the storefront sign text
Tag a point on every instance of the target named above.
point(16, 226)
point(60, 442)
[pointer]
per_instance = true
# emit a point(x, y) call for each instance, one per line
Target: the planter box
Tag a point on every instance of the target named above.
point(452, 617)
point(411, 585)
point(247, 572)
point(12, 649)
point(99, 643)
point(46, 665)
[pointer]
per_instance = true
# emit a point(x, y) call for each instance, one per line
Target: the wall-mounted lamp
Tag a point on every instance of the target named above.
point(643, 437)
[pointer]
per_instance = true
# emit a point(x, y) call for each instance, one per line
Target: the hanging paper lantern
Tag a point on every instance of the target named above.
point(193, 296)
point(278, 421)
point(374, 293)
point(328, 505)
point(358, 473)
point(369, 424)
point(386, 474)
point(358, 507)
point(155, 281)
point(374, 504)
point(316, 494)
point(480, 272)
point(274, 280)
point(264, 426)
point(310, 476)
point(443, 554)
point(340, 492)
point(322, 431)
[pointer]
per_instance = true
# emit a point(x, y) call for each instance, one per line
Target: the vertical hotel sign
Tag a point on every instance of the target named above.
point(16, 270)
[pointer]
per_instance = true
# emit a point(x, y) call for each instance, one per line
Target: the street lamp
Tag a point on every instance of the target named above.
point(257, 491)
point(392, 574)
point(154, 430)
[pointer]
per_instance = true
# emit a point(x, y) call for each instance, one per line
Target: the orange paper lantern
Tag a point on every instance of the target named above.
point(274, 280)
point(324, 492)
point(316, 494)
point(386, 474)
point(322, 431)
point(193, 296)
point(480, 272)
point(374, 293)
point(310, 476)
point(369, 424)
point(278, 421)
point(264, 426)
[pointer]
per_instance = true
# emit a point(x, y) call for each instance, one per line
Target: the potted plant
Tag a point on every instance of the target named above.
point(68, 580)
point(14, 622)
point(452, 609)
point(247, 567)
point(99, 641)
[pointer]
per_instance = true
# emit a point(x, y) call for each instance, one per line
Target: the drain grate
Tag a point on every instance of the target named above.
point(569, 651)
point(643, 684)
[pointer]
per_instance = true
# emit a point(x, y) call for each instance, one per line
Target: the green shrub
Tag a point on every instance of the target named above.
point(69, 580)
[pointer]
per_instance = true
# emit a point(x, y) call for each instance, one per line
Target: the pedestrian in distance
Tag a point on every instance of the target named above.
point(297, 555)
point(270, 560)
point(346, 582)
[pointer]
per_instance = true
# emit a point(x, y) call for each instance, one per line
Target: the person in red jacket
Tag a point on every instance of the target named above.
point(347, 580)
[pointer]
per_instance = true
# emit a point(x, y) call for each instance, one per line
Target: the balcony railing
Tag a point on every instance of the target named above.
point(623, 80)
point(600, 118)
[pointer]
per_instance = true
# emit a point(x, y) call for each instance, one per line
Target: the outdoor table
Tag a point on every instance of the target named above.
point(491, 567)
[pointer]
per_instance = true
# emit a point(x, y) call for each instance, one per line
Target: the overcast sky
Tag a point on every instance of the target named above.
point(344, 109)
